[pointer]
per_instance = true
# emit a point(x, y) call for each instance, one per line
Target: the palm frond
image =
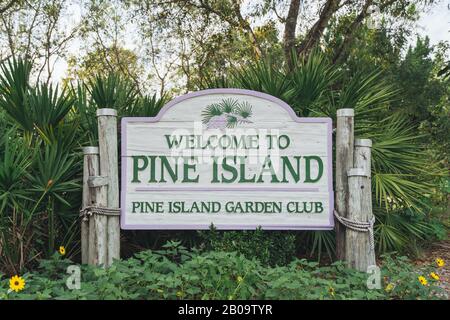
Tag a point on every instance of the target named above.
point(402, 172)
point(264, 77)
point(311, 80)
point(228, 105)
point(212, 110)
point(14, 84)
point(244, 109)
point(232, 121)
point(112, 92)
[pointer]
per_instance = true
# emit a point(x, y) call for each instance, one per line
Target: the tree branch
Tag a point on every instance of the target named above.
point(7, 6)
point(289, 31)
point(349, 32)
point(341, 52)
point(246, 26)
point(314, 34)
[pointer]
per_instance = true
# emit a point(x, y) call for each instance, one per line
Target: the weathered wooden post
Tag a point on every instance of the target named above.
point(363, 159)
point(344, 162)
point(90, 157)
point(107, 138)
point(359, 244)
point(96, 197)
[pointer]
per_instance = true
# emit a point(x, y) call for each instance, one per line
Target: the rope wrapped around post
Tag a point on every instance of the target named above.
point(359, 226)
point(87, 212)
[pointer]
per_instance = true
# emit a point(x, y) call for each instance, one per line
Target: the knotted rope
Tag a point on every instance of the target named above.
point(85, 213)
point(359, 226)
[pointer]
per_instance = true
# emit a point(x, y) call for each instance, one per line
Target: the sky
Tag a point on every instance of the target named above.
point(434, 23)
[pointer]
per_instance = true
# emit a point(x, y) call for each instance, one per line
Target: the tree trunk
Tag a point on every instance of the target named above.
point(289, 31)
point(342, 50)
point(344, 162)
point(314, 34)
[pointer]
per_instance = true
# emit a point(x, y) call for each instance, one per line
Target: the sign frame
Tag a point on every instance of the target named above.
point(207, 225)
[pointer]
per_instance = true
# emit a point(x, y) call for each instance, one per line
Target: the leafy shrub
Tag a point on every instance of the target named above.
point(175, 273)
point(269, 247)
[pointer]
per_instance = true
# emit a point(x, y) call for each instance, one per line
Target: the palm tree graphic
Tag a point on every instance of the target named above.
point(227, 113)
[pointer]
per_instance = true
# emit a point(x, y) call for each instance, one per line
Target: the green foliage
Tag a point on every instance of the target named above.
point(403, 175)
point(269, 247)
point(147, 106)
point(403, 276)
point(311, 80)
point(42, 129)
point(112, 91)
point(39, 168)
point(14, 79)
point(221, 275)
point(261, 76)
point(31, 107)
point(14, 163)
point(318, 243)
point(403, 230)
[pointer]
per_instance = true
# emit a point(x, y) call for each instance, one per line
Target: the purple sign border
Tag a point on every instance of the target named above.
point(205, 226)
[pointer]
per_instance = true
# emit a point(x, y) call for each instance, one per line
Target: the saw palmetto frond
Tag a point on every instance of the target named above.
point(212, 110)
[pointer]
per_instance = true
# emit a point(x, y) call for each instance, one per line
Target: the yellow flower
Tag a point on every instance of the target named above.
point(16, 283)
point(240, 279)
point(440, 262)
point(180, 293)
point(435, 276)
point(422, 280)
point(62, 250)
point(331, 291)
point(389, 287)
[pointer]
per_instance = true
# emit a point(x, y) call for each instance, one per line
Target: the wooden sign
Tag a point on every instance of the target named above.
point(237, 159)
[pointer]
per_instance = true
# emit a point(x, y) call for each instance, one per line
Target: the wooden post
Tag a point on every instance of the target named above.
point(358, 254)
point(107, 138)
point(90, 157)
point(96, 197)
point(363, 159)
point(344, 162)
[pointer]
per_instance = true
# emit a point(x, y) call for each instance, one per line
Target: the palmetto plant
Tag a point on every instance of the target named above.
point(310, 84)
point(14, 84)
point(39, 167)
point(41, 106)
point(146, 106)
point(15, 160)
point(42, 131)
point(112, 91)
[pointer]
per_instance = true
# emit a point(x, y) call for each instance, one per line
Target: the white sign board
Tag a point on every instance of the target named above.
point(237, 159)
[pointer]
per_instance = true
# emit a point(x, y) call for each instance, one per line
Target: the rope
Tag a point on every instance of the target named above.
point(359, 226)
point(85, 213)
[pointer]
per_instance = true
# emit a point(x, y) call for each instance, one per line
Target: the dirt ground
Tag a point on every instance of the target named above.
point(441, 250)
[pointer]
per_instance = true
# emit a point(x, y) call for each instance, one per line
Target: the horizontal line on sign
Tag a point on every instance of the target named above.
point(159, 189)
